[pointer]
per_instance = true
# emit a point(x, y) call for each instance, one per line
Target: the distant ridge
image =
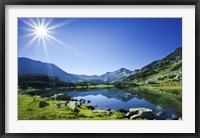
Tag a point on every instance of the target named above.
point(29, 66)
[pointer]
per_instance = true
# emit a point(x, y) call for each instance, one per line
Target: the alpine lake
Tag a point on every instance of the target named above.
point(163, 104)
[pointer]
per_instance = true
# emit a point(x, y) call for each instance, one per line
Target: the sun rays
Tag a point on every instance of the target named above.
point(41, 30)
point(45, 35)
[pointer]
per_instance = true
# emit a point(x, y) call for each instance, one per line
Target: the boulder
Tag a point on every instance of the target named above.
point(61, 97)
point(72, 105)
point(43, 104)
point(88, 101)
point(144, 113)
point(128, 114)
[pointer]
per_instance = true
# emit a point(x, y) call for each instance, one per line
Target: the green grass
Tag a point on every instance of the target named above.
point(28, 109)
point(173, 89)
point(29, 89)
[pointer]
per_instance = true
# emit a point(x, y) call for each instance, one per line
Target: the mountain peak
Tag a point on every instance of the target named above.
point(123, 69)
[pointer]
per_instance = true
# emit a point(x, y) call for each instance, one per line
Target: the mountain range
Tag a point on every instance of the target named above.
point(167, 70)
point(29, 66)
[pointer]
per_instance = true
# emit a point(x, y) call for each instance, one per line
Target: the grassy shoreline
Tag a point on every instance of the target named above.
point(28, 109)
point(173, 89)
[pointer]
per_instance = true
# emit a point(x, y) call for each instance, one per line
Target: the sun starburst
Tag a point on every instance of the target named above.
point(41, 30)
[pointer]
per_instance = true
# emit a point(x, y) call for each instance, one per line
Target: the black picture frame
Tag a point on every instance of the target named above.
point(3, 4)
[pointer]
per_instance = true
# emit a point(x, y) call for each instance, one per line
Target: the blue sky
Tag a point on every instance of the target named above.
point(93, 46)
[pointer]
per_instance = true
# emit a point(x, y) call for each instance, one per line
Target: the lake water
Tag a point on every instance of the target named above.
point(113, 98)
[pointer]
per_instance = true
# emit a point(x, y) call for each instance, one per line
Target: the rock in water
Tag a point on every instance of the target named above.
point(143, 113)
point(43, 104)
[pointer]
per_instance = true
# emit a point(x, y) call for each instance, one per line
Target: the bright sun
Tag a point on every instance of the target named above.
point(41, 31)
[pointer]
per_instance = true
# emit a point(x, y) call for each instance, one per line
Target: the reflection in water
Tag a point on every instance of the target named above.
point(113, 98)
point(121, 99)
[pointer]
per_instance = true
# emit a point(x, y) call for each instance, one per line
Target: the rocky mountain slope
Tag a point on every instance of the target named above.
point(165, 71)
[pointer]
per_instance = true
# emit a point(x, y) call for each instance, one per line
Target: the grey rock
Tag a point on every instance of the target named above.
point(43, 104)
point(128, 114)
point(61, 97)
point(143, 113)
point(72, 105)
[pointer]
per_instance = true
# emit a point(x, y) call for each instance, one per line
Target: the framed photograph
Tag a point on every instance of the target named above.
point(100, 68)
